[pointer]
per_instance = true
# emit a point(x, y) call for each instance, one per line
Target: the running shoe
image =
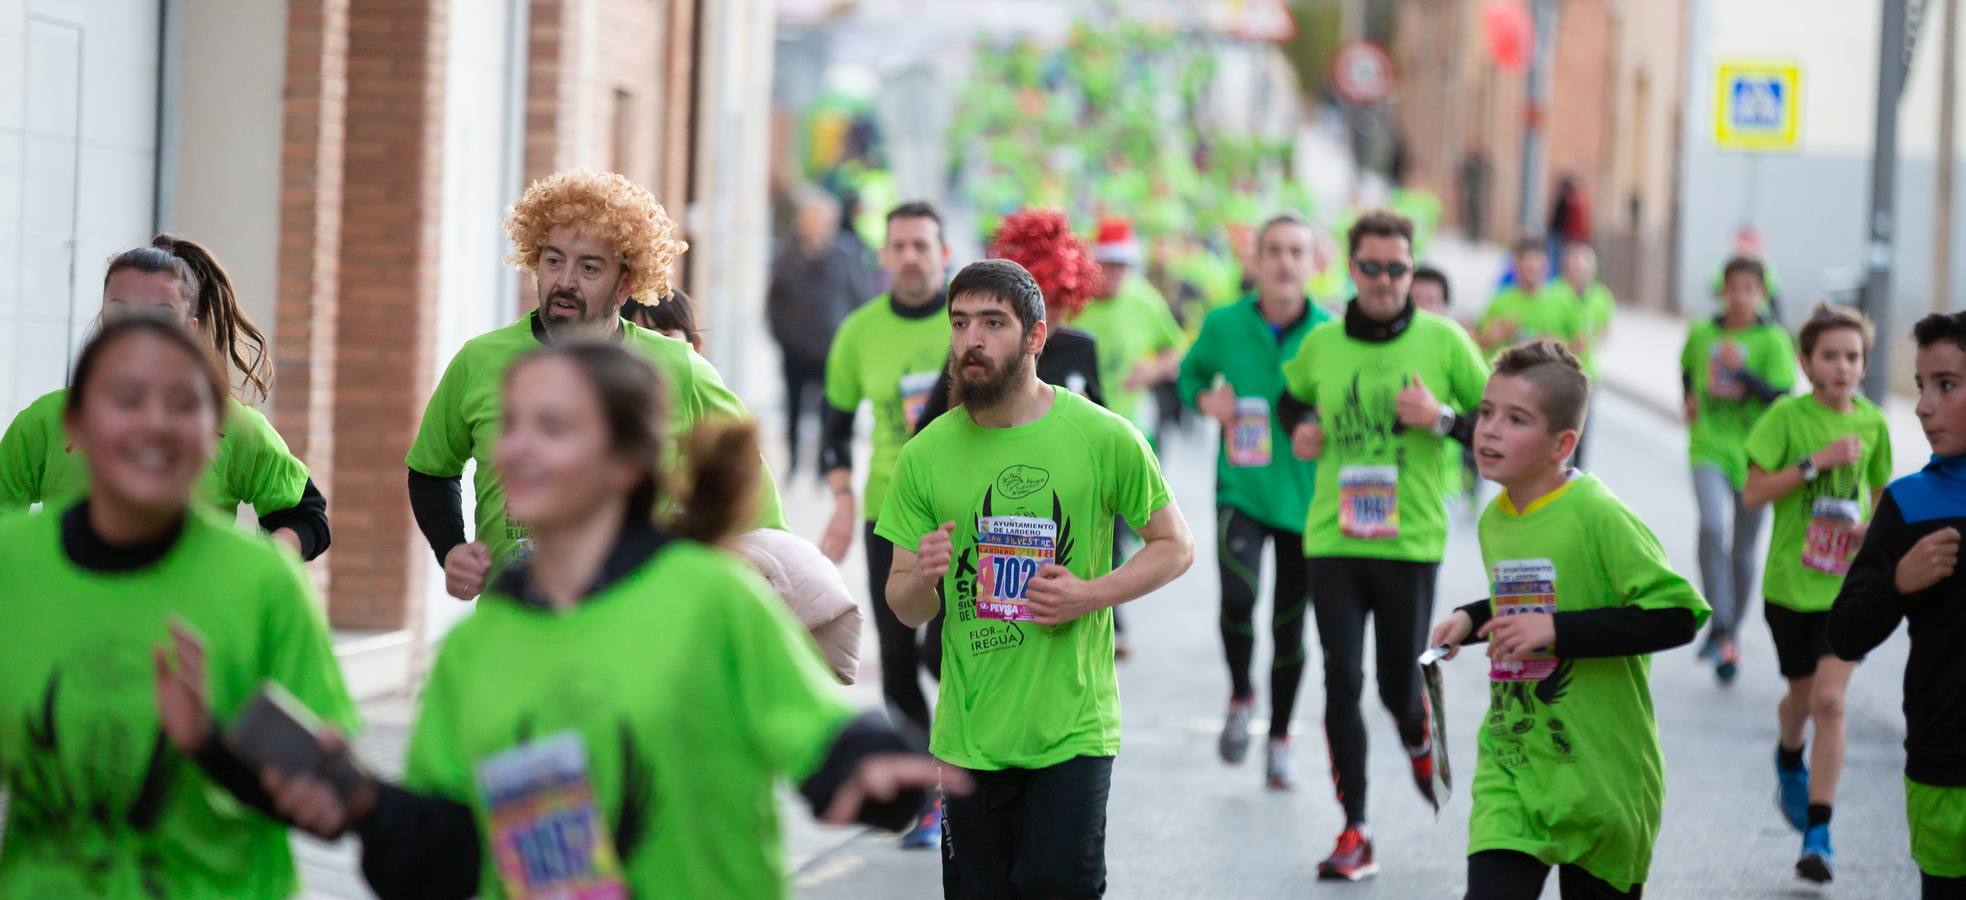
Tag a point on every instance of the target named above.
point(1352, 860)
point(927, 832)
point(1792, 794)
point(1234, 745)
point(1817, 859)
point(1279, 772)
point(1422, 759)
point(1729, 664)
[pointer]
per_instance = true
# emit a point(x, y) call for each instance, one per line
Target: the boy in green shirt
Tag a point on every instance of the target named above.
point(1001, 513)
point(1570, 773)
point(1822, 459)
point(1732, 368)
point(1530, 308)
point(1594, 305)
point(1360, 398)
point(1233, 374)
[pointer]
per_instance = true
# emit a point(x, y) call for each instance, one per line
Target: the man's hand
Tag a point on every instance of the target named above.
point(1452, 631)
point(1417, 406)
point(1145, 375)
point(1218, 403)
point(465, 568)
point(1307, 440)
point(838, 537)
point(1510, 638)
point(1929, 562)
point(1057, 596)
point(933, 554)
point(1844, 451)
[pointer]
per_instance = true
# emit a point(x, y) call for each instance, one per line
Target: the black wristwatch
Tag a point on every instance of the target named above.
point(1808, 469)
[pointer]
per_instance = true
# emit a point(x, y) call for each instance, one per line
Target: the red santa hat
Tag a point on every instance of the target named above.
point(1115, 242)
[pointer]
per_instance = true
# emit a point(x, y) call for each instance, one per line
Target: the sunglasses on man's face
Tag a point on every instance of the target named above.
point(1372, 268)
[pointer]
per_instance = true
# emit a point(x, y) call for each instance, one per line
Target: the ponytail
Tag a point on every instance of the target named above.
point(720, 492)
point(233, 335)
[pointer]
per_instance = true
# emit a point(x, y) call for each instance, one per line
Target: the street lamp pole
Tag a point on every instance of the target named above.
point(1893, 63)
point(1541, 61)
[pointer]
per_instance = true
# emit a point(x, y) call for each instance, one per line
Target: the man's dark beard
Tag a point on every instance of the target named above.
point(991, 390)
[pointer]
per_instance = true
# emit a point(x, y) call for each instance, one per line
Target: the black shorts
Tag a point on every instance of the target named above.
point(1801, 638)
point(1029, 833)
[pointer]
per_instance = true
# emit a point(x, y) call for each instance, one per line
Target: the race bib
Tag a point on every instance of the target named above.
point(1524, 586)
point(1249, 437)
point(1368, 502)
point(547, 838)
point(915, 389)
point(1724, 383)
point(520, 536)
point(1832, 537)
point(1010, 551)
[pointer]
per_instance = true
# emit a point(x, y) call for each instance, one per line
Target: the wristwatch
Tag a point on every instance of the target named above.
point(1808, 469)
point(1444, 425)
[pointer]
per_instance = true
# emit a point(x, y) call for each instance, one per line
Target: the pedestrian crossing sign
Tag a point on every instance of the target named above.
point(1757, 105)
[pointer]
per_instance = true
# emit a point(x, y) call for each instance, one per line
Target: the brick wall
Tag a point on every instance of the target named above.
point(392, 197)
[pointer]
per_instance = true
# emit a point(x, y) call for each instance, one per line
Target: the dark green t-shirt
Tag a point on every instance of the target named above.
point(1255, 472)
point(1727, 410)
point(1569, 768)
point(252, 463)
point(460, 424)
point(1379, 493)
point(1016, 694)
point(100, 804)
point(690, 691)
point(1812, 544)
point(892, 361)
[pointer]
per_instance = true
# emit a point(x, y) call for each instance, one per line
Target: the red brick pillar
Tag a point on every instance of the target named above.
point(392, 194)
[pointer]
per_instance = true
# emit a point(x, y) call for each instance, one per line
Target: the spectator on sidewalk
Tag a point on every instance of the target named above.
point(1570, 217)
point(815, 282)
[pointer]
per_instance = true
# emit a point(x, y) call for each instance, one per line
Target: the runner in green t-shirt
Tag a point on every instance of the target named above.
point(1432, 293)
point(105, 797)
point(1139, 341)
point(614, 719)
point(1001, 513)
point(1233, 374)
point(1595, 306)
point(888, 353)
point(1732, 368)
point(592, 241)
point(1570, 772)
point(180, 280)
point(1530, 308)
point(1822, 459)
point(1360, 398)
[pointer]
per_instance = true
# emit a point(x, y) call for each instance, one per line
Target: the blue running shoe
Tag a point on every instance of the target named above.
point(1817, 857)
point(927, 833)
point(1792, 797)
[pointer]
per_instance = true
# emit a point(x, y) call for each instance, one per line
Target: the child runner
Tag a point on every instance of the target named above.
point(1907, 570)
point(674, 317)
point(614, 718)
point(1732, 368)
point(1570, 772)
point(1821, 459)
point(101, 802)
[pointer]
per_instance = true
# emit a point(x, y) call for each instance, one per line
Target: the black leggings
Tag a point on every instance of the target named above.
point(1400, 595)
point(1029, 833)
point(1932, 887)
point(1239, 557)
point(903, 649)
point(1509, 875)
point(805, 388)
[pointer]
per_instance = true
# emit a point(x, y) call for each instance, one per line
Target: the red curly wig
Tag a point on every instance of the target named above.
point(1041, 240)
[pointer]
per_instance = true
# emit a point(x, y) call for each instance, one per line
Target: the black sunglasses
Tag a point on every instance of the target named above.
point(1372, 268)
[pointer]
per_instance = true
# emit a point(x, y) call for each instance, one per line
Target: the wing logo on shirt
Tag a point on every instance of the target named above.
point(1364, 425)
point(988, 636)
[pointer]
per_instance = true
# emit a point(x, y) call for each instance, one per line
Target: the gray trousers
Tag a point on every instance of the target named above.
point(1728, 532)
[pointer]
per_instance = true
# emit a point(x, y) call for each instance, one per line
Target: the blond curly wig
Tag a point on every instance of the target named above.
point(604, 205)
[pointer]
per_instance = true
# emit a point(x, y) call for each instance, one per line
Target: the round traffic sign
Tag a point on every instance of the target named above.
point(1362, 72)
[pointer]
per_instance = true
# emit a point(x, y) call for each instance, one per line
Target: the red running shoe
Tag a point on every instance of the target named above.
point(1352, 860)
point(1423, 772)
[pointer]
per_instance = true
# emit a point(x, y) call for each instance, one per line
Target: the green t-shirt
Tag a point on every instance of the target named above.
point(1255, 472)
point(1016, 694)
point(1595, 309)
point(1812, 544)
point(1569, 768)
point(460, 424)
point(101, 805)
point(692, 691)
point(1549, 312)
point(1129, 328)
point(1719, 434)
point(1379, 493)
point(891, 360)
point(252, 464)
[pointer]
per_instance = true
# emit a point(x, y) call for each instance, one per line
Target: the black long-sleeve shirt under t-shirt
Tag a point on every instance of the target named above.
point(1869, 608)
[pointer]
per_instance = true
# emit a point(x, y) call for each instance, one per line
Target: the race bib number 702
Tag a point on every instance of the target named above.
point(1010, 551)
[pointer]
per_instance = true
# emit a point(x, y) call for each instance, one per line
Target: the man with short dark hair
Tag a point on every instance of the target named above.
point(1001, 513)
point(1360, 394)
